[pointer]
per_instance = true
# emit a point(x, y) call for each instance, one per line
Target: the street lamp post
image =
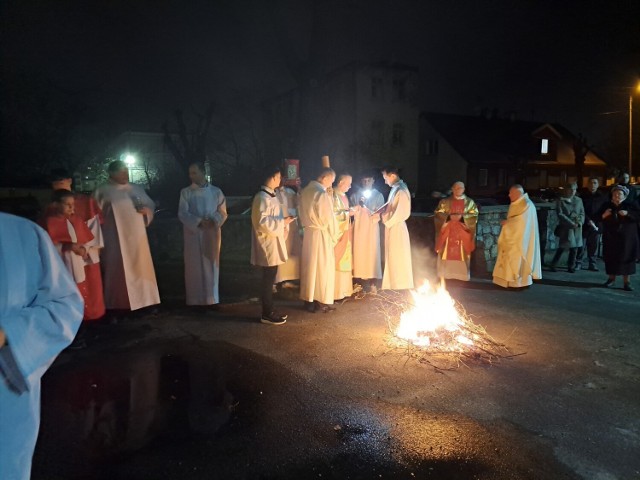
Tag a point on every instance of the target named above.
point(634, 90)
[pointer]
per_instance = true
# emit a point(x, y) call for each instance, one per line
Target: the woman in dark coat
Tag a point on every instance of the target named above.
point(620, 236)
point(569, 231)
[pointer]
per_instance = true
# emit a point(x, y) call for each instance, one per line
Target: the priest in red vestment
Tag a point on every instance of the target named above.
point(454, 246)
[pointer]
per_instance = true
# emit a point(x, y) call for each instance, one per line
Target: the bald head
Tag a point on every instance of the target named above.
point(515, 192)
point(457, 189)
point(326, 177)
point(343, 183)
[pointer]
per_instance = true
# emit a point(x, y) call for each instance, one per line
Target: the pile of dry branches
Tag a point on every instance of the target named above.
point(444, 352)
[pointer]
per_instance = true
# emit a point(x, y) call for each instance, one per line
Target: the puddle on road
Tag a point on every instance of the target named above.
point(191, 409)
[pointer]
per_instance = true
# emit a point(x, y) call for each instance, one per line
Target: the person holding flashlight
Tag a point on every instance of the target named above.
point(367, 263)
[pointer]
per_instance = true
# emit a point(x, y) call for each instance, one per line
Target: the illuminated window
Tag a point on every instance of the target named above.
point(544, 146)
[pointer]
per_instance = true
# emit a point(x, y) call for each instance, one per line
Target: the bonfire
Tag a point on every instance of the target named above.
point(436, 329)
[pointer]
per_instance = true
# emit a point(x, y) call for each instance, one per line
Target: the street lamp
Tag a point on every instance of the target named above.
point(634, 90)
point(130, 161)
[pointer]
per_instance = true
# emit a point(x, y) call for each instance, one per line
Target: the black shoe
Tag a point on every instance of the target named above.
point(273, 319)
point(310, 307)
point(571, 270)
point(608, 284)
point(627, 287)
point(593, 268)
point(324, 308)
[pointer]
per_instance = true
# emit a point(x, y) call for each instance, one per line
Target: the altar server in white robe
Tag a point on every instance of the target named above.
point(268, 246)
point(398, 271)
point(519, 261)
point(202, 211)
point(317, 270)
point(127, 266)
point(367, 262)
point(290, 270)
point(40, 312)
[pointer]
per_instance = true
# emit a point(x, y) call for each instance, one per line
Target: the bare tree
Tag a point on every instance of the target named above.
point(238, 143)
point(189, 146)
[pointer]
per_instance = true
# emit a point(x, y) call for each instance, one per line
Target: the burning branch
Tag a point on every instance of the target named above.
point(434, 328)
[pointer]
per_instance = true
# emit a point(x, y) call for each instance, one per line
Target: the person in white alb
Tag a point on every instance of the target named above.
point(268, 247)
point(202, 211)
point(290, 270)
point(367, 262)
point(317, 268)
point(398, 270)
point(127, 266)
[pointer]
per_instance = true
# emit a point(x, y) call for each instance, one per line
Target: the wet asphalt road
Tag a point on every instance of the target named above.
point(186, 395)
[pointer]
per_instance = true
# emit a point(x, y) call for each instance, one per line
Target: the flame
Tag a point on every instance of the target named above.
point(433, 320)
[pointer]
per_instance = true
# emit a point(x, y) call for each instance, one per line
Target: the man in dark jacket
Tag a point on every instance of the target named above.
point(592, 199)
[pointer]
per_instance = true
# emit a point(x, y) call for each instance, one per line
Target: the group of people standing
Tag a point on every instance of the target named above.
point(324, 239)
point(94, 257)
point(611, 217)
point(102, 240)
point(108, 232)
point(584, 220)
point(518, 262)
point(319, 236)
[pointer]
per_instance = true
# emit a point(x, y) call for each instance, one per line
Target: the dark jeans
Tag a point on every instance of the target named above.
point(571, 262)
point(268, 278)
point(590, 240)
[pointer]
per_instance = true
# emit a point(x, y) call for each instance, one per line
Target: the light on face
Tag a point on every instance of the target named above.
point(618, 195)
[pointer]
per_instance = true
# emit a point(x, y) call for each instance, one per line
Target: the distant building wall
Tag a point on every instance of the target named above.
point(361, 115)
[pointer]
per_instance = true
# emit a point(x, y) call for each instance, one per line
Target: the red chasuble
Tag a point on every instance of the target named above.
point(91, 287)
point(457, 241)
point(58, 230)
point(86, 208)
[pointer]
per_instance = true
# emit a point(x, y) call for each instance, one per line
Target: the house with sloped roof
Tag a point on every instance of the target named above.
point(489, 154)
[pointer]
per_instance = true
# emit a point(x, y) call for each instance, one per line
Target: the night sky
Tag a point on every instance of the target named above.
point(133, 61)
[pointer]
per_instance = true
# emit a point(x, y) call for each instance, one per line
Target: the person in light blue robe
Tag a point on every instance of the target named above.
point(40, 312)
